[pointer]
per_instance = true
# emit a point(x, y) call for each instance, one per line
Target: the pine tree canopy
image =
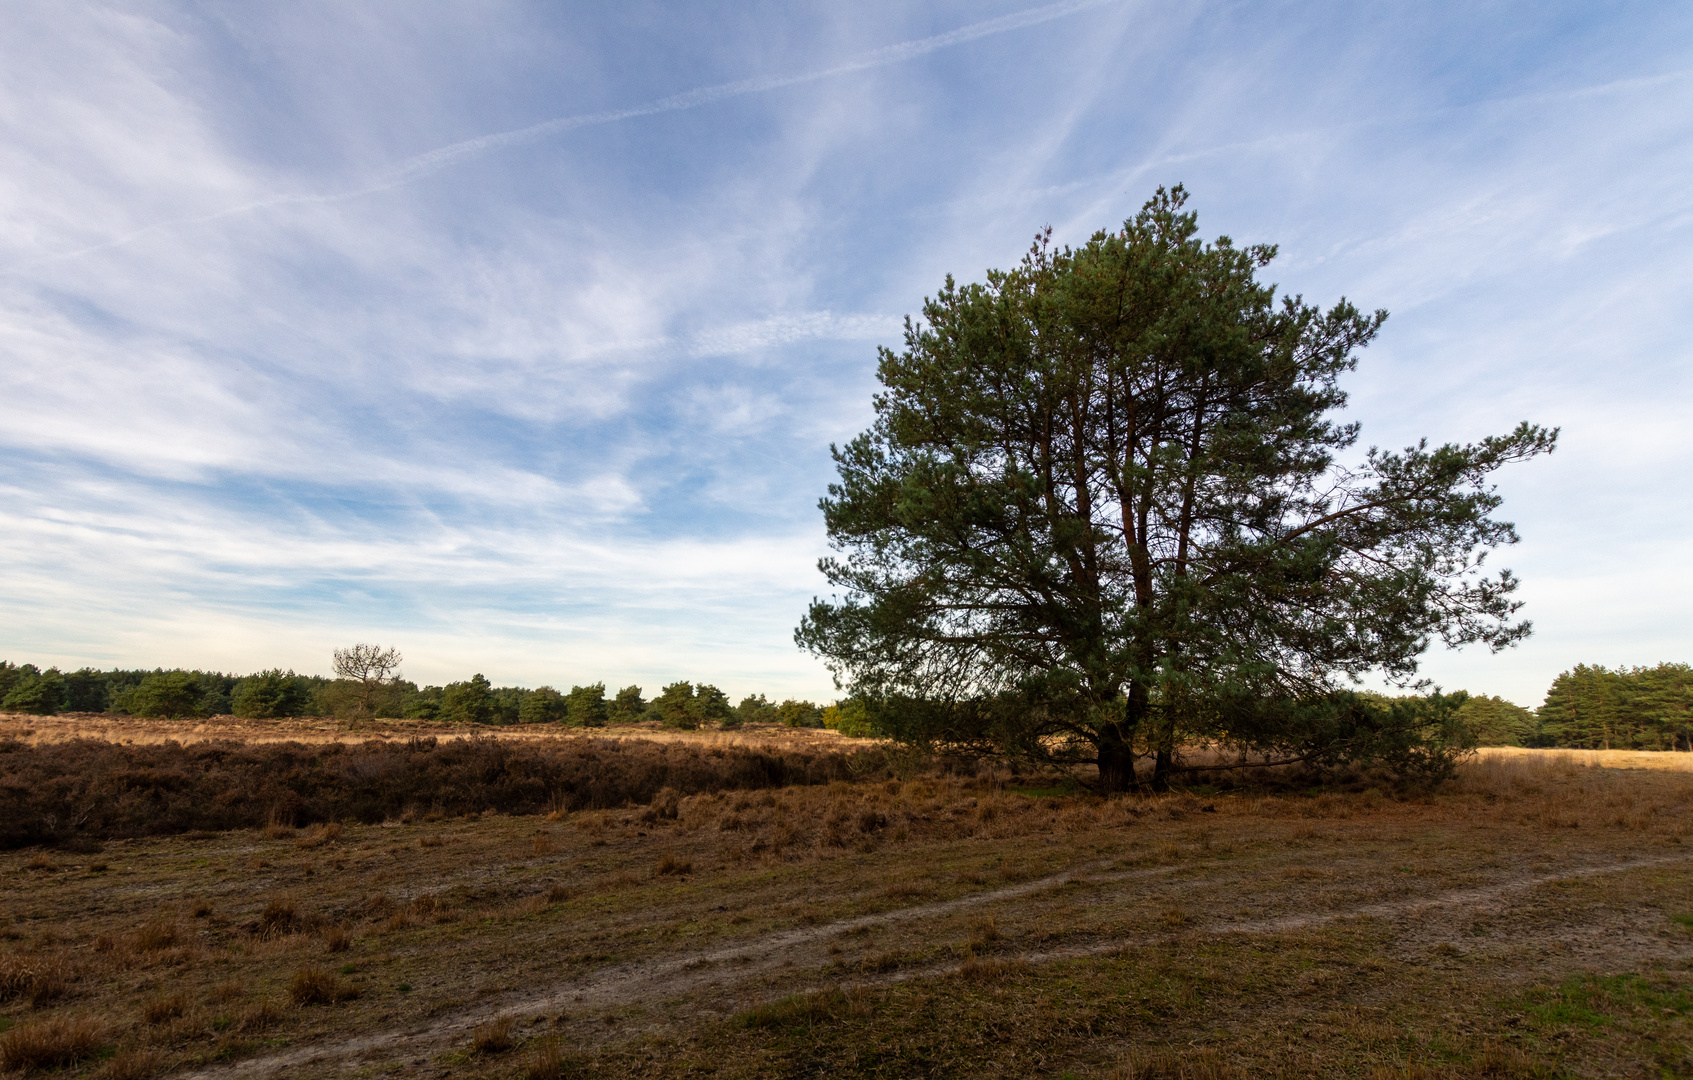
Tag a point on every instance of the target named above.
point(1100, 511)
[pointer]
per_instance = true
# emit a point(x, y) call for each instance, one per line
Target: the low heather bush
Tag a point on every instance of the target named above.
point(60, 792)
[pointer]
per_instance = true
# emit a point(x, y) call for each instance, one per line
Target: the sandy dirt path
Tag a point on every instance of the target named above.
point(700, 983)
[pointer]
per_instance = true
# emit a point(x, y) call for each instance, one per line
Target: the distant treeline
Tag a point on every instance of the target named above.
point(178, 693)
point(1595, 708)
point(1589, 707)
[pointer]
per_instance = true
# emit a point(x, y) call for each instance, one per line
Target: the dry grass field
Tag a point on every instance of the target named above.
point(1531, 918)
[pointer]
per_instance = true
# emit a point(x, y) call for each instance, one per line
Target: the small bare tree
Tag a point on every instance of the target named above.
point(372, 667)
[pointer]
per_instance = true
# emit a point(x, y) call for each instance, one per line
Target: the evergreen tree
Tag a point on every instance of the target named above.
point(1497, 722)
point(1099, 511)
point(628, 706)
point(270, 694)
point(33, 691)
point(586, 706)
point(470, 702)
point(542, 705)
point(675, 706)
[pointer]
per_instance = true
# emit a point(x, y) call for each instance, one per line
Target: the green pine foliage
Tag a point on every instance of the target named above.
point(270, 694)
point(542, 705)
point(1591, 707)
point(1497, 722)
point(586, 707)
point(628, 706)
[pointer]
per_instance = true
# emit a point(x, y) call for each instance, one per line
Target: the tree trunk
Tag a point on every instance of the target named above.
point(1116, 760)
point(1161, 768)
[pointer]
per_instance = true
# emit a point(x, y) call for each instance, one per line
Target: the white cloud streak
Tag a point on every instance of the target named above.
point(433, 161)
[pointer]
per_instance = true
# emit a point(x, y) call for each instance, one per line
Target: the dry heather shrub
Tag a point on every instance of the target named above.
point(319, 986)
point(50, 1044)
point(492, 1037)
point(161, 1009)
point(137, 790)
point(132, 1065)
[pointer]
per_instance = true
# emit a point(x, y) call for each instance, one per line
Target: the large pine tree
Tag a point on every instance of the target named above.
point(1100, 509)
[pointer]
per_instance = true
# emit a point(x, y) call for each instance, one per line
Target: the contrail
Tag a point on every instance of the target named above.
point(446, 156)
point(434, 160)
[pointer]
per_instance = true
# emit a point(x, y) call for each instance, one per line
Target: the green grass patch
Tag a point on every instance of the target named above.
point(1594, 1001)
point(1063, 789)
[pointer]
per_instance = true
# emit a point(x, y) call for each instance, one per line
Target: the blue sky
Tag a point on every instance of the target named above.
point(515, 335)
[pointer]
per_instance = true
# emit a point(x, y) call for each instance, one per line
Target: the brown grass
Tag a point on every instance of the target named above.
point(1035, 934)
point(159, 1010)
point(132, 1065)
point(493, 1037)
point(319, 986)
point(50, 1044)
point(546, 1061)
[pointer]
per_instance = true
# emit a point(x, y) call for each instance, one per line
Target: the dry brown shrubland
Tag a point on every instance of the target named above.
point(83, 790)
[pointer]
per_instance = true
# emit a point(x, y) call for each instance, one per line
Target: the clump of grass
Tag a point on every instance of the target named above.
point(201, 909)
point(132, 1065)
point(337, 939)
point(429, 841)
point(670, 864)
point(984, 933)
point(50, 1044)
point(280, 918)
point(558, 894)
point(493, 1037)
point(319, 986)
point(276, 829)
point(258, 1016)
point(40, 861)
point(546, 1062)
point(36, 977)
point(1202, 1063)
point(155, 935)
point(804, 1010)
point(317, 837)
point(161, 1009)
